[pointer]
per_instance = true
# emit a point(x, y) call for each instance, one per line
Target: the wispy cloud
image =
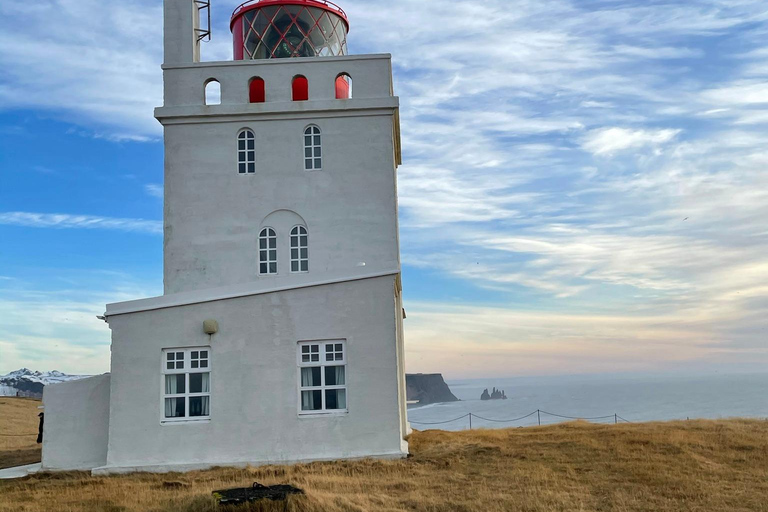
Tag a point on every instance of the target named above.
point(154, 190)
point(69, 221)
point(608, 141)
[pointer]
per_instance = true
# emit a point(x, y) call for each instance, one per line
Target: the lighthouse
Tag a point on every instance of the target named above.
point(279, 336)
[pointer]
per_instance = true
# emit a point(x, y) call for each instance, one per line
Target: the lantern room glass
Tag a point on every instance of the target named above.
point(280, 31)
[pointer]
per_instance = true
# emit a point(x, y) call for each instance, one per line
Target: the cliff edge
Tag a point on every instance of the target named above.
point(428, 388)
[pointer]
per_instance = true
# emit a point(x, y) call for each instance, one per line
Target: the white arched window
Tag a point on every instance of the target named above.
point(246, 153)
point(313, 158)
point(299, 249)
point(267, 251)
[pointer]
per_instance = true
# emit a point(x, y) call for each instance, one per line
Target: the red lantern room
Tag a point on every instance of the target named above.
point(270, 29)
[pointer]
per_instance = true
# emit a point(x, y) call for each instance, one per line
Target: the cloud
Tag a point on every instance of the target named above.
point(69, 221)
point(608, 141)
point(154, 190)
point(599, 167)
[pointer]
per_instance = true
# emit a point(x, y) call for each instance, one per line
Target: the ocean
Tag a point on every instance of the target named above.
point(635, 397)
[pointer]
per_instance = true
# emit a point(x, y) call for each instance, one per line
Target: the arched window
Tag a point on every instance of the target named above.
point(212, 92)
point(313, 158)
point(343, 87)
point(256, 93)
point(246, 153)
point(300, 87)
point(267, 251)
point(299, 249)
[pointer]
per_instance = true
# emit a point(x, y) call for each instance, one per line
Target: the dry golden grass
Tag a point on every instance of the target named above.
point(680, 466)
point(18, 416)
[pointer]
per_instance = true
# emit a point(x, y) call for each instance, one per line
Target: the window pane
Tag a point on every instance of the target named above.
point(294, 241)
point(263, 243)
point(304, 254)
point(307, 140)
point(305, 349)
point(241, 157)
point(339, 347)
point(305, 266)
point(315, 358)
point(251, 156)
point(195, 354)
point(251, 144)
point(174, 407)
point(294, 266)
point(263, 268)
point(251, 167)
point(169, 365)
point(307, 152)
point(204, 364)
point(335, 399)
point(310, 377)
point(273, 242)
point(171, 356)
point(304, 240)
point(273, 268)
point(317, 140)
point(295, 254)
point(311, 400)
point(199, 383)
point(174, 384)
point(334, 376)
point(308, 164)
point(199, 406)
point(317, 152)
point(179, 365)
point(194, 364)
point(241, 145)
point(272, 255)
point(317, 163)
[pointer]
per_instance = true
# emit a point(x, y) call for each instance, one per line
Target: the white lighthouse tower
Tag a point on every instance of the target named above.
point(279, 336)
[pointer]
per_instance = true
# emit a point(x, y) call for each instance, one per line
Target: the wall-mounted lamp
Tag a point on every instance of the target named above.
point(210, 327)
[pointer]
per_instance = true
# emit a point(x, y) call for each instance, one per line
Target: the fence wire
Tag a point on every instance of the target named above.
point(537, 412)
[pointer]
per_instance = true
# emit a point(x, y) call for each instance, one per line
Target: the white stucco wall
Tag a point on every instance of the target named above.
point(213, 213)
point(76, 424)
point(255, 379)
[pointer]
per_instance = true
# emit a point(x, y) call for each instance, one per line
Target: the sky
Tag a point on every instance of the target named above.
point(584, 185)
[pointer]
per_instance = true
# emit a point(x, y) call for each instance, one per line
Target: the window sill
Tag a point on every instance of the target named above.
point(184, 421)
point(323, 414)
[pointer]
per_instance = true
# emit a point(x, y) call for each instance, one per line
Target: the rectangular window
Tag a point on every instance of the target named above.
point(322, 376)
point(186, 384)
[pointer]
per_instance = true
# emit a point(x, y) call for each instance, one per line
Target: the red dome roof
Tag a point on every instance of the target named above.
point(257, 4)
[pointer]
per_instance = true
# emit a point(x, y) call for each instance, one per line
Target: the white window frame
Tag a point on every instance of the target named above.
point(186, 369)
point(246, 151)
point(297, 233)
point(264, 253)
point(313, 162)
point(323, 363)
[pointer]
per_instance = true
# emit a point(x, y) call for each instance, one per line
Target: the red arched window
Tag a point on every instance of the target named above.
point(256, 92)
point(300, 88)
point(343, 87)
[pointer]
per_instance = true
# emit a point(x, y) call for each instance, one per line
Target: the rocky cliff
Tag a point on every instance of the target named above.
point(428, 388)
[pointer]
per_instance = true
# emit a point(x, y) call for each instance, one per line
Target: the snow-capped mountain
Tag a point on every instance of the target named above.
point(30, 383)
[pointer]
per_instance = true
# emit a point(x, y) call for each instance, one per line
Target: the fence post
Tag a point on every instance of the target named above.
point(538, 415)
point(470, 421)
point(615, 418)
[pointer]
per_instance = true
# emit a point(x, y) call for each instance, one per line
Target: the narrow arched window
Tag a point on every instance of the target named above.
point(343, 87)
point(246, 153)
point(256, 92)
point(212, 92)
point(299, 249)
point(300, 87)
point(267, 251)
point(313, 157)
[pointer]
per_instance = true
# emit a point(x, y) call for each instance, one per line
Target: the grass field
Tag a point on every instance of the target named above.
point(18, 416)
point(698, 466)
